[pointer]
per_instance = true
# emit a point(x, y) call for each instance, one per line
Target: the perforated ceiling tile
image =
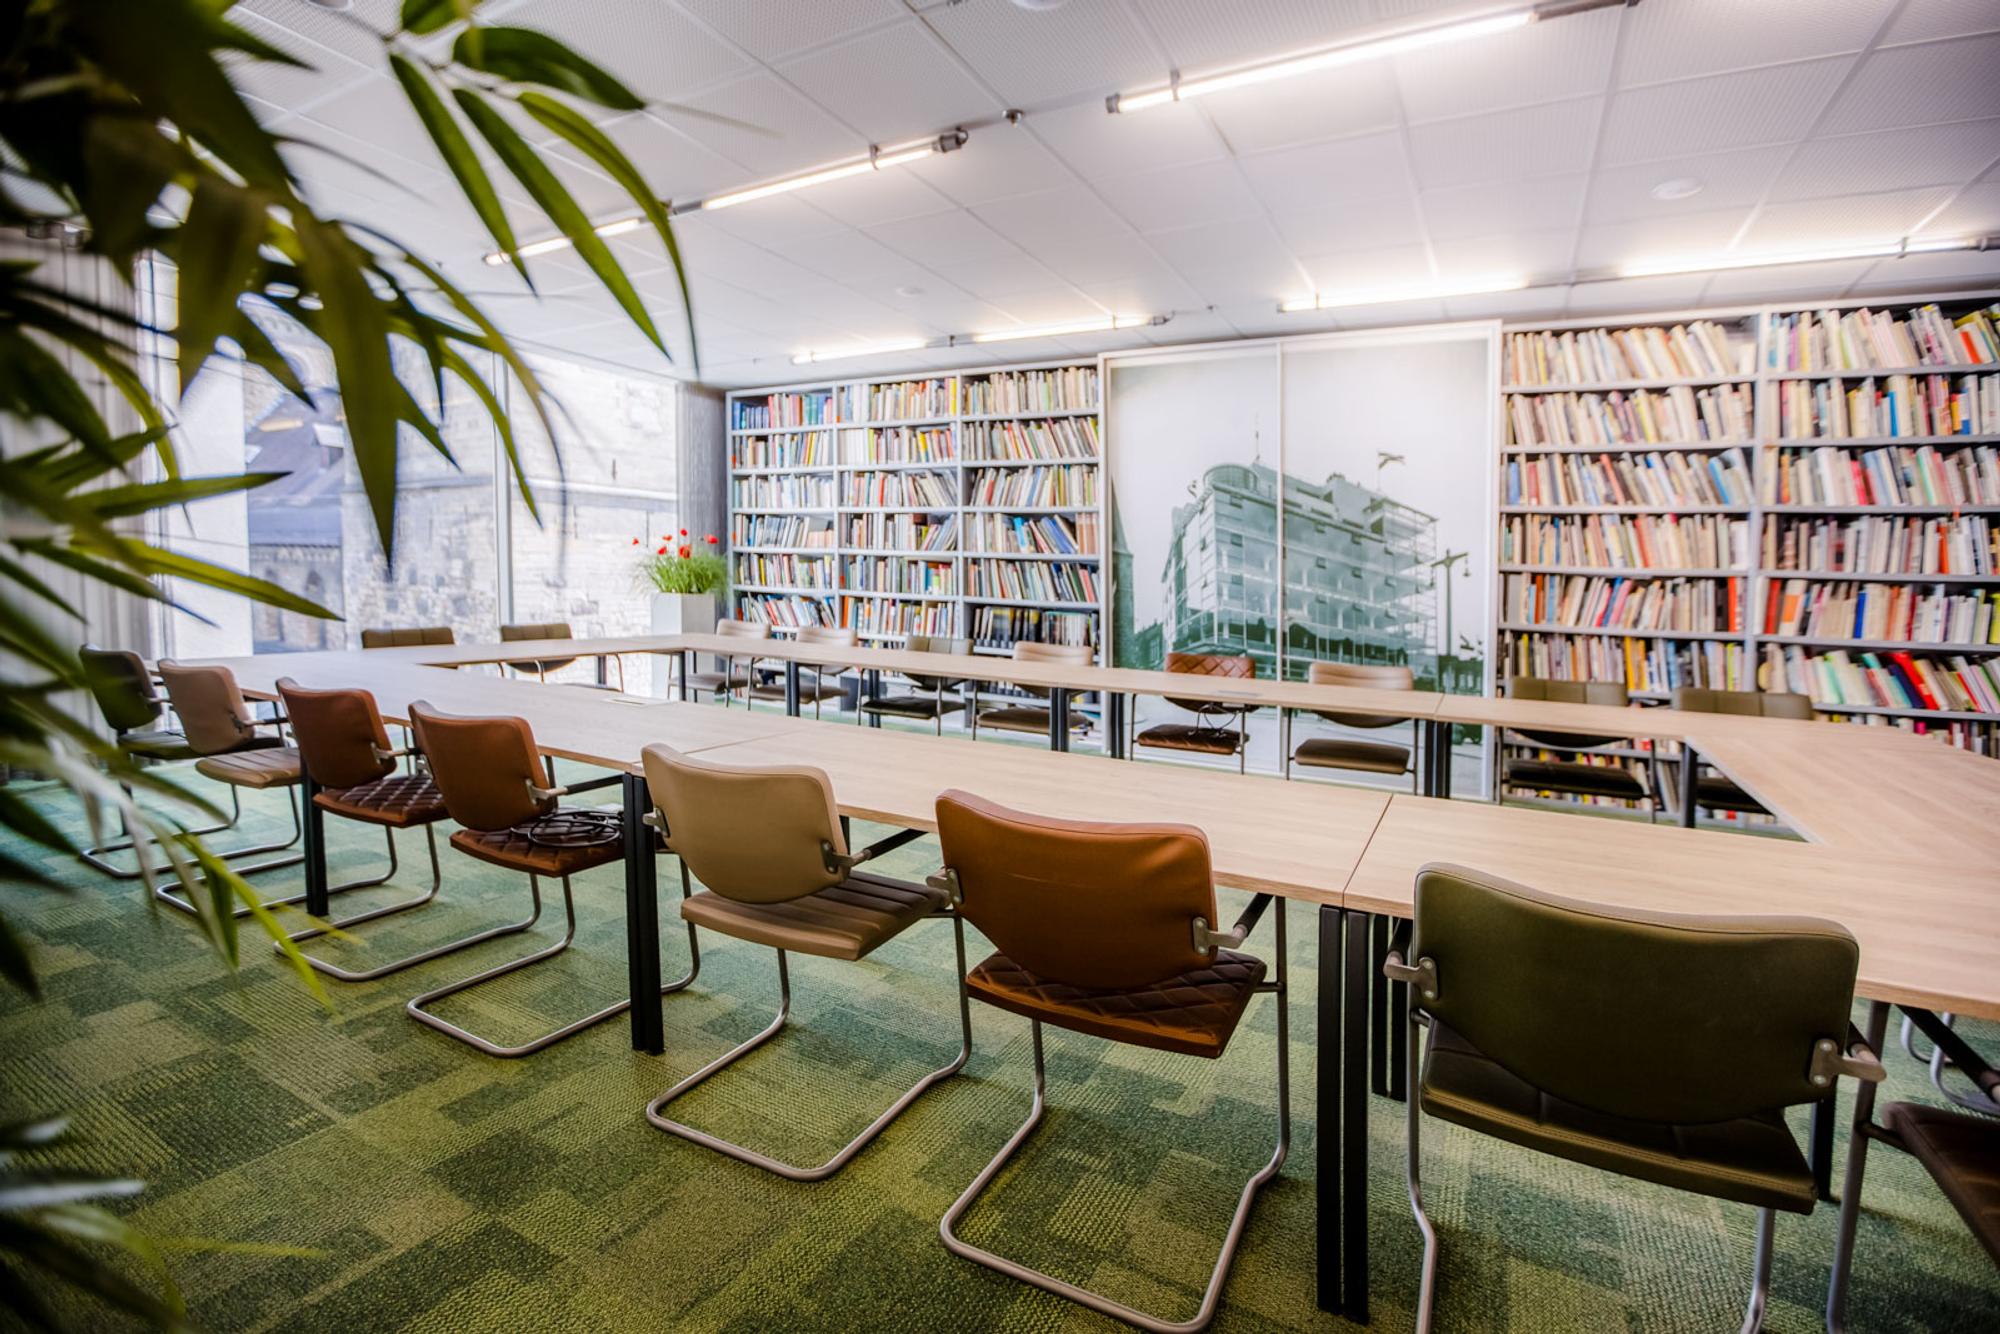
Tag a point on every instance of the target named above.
point(1922, 20)
point(1503, 206)
point(1097, 144)
point(1035, 55)
point(1691, 37)
point(1627, 295)
point(1534, 141)
point(1914, 85)
point(1801, 281)
point(863, 201)
point(997, 161)
point(1304, 110)
point(1539, 63)
point(1915, 272)
point(1610, 245)
point(1849, 219)
point(1180, 196)
point(1531, 255)
point(1368, 270)
point(675, 166)
point(1199, 34)
point(1726, 111)
point(1068, 210)
point(1099, 259)
point(288, 86)
point(778, 131)
point(942, 238)
point(651, 46)
point(777, 223)
point(1620, 194)
point(1931, 155)
point(1357, 224)
point(998, 276)
point(1336, 171)
point(1252, 242)
point(1159, 291)
point(772, 29)
point(892, 84)
point(353, 32)
point(853, 257)
point(1974, 210)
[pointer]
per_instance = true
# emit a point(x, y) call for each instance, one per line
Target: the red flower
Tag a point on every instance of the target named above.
point(635, 541)
point(710, 539)
point(663, 551)
point(685, 553)
point(684, 532)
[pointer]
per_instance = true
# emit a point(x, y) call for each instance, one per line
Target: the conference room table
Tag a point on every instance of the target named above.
point(1901, 835)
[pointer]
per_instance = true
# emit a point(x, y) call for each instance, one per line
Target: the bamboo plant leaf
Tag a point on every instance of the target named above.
point(217, 253)
point(502, 426)
point(522, 55)
point(422, 16)
point(261, 352)
point(162, 560)
point(15, 964)
point(143, 498)
point(456, 150)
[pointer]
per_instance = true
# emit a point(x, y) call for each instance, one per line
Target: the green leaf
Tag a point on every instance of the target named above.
point(522, 55)
point(38, 1249)
point(261, 352)
point(160, 560)
point(34, 384)
point(422, 16)
point(142, 498)
point(463, 369)
point(550, 196)
point(412, 414)
point(457, 153)
point(33, 1134)
point(15, 965)
point(356, 328)
point(217, 254)
point(566, 121)
point(127, 163)
point(43, 1190)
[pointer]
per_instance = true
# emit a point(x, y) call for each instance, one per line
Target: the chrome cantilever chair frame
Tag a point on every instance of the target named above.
point(340, 974)
point(1212, 1294)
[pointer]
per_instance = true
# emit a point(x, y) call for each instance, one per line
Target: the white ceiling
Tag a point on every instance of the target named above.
point(1808, 123)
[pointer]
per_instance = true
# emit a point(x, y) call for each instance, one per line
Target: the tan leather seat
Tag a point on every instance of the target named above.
point(400, 801)
point(256, 769)
point(1218, 727)
point(1193, 1012)
point(846, 921)
point(818, 681)
point(1035, 717)
point(514, 849)
point(1962, 1154)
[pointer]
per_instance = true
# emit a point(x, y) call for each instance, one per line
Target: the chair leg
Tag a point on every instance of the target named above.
point(98, 856)
point(369, 974)
point(656, 1114)
point(1850, 1186)
point(1760, 1279)
point(1413, 1114)
point(1083, 1296)
point(164, 893)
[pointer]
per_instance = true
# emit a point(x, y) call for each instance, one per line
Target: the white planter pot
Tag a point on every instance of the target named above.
point(680, 614)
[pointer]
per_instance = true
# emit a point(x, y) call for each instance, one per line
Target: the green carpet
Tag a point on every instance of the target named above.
point(446, 1191)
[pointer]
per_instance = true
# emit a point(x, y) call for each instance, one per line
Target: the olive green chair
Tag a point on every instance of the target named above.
point(1659, 1046)
point(1575, 777)
point(1712, 790)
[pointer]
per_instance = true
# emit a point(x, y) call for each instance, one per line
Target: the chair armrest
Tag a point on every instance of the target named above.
point(396, 754)
point(571, 789)
point(1207, 938)
point(1422, 974)
point(836, 864)
point(1854, 1058)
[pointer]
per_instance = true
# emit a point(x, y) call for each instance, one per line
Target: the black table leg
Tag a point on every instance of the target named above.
point(681, 665)
point(642, 921)
point(603, 676)
point(1378, 1007)
point(1427, 744)
point(1354, 1119)
point(314, 823)
point(1688, 767)
point(1058, 719)
point(873, 690)
point(1327, 1147)
point(1441, 735)
point(791, 689)
point(1822, 1148)
point(1114, 723)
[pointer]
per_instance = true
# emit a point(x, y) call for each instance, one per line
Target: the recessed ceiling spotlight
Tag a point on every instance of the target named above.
point(909, 289)
point(1679, 187)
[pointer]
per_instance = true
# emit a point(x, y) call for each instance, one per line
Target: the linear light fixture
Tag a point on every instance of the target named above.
point(859, 350)
point(1101, 325)
point(1374, 296)
point(1651, 268)
point(1371, 43)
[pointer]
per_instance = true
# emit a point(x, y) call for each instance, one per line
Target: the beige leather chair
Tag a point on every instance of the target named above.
point(416, 636)
point(930, 696)
point(1211, 732)
point(1369, 757)
point(1576, 777)
point(732, 677)
point(768, 847)
point(1716, 791)
point(1034, 717)
point(528, 631)
point(818, 681)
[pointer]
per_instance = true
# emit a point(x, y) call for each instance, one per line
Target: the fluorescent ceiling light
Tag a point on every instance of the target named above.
point(1373, 296)
point(1101, 325)
point(1651, 268)
point(616, 227)
point(1371, 43)
point(877, 159)
point(859, 350)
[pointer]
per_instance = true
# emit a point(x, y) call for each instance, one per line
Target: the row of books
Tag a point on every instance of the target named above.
point(937, 490)
point(1980, 738)
point(785, 571)
point(1890, 475)
point(904, 400)
point(1863, 339)
point(889, 574)
point(783, 609)
point(1895, 613)
point(903, 532)
point(806, 409)
point(1653, 666)
point(803, 491)
point(1664, 480)
point(780, 530)
point(1895, 680)
point(1058, 485)
point(901, 444)
point(802, 449)
point(1597, 356)
point(1044, 534)
point(1615, 603)
point(1067, 388)
point(1901, 405)
point(1677, 416)
point(1054, 438)
point(1032, 581)
point(878, 617)
point(1628, 541)
point(1965, 544)
point(1003, 627)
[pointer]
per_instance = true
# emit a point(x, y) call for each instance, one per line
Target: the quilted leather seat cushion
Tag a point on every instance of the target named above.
point(916, 706)
point(846, 921)
point(1027, 718)
point(400, 800)
point(513, 849)
point(1375, 757)
point(269, 767)
point(157, 745)
point(1721, 794)
point(1194, 1013)
point(1192, 736)
point(1962, 1154)
point(1597, 780)
point(1752, 1160)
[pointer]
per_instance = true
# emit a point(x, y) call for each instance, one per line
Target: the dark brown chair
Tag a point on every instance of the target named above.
point(1659, 1046)
point(1716, 791)
point(820, 681)
point(1105, 929)
point(492, 779)
point(1210, 733)
point(1033, 717)
point(768, 847)
point(930, 696)
point(540, 668)
point(1369, 757)
point(1576, 777)
point(132, 707)
point(732, 677)
point(392, 637)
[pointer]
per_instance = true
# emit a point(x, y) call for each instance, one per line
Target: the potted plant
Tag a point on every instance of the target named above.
point(684, 577)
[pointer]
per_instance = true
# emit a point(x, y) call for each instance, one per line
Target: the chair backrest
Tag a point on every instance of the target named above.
point(839, 635)
point(1758, 703)
point(483, 767)
point(1365, 676)
point(535, 630)
point(1033, 650)
point(1238, 666)
point(1659, 1017)
point(1609, 693)
point(398, 637)
point(743, 629)
point(936, 644)
point(214, 718)
point(339, 734)
point(757, 834)
point(122, 687)
point(1082, 903)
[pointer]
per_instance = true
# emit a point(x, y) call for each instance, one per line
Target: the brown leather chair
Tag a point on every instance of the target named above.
point(1659, 1046)
point(1714, 790)
point(392, 637)
point(732, 677)
point(1370, 757)
point(768, 847)
point(1210, 733)
point(818, 680)
point(1034, 717)
point(132, 707)
point(1105, 929)
point(492, 779)
point(540, 668)
point(928, 697)
point(1576, 777)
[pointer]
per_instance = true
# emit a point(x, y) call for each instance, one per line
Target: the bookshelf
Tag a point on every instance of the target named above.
point(1798, 497)
point(966, 503)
